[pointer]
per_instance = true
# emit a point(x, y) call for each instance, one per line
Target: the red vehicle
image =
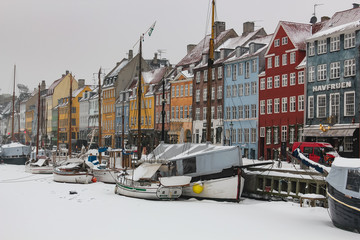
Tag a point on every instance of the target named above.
point(319, 152)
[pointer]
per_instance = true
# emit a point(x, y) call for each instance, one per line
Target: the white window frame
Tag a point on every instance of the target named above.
point(277, 105)
point(284, 40)
point(311, 49)
point(284, 59)
point(349, 40)
point(322, 46)
point(292, 79)
point(269, 62)
point(269, 106)
point(301, 103)
point(301, 77)
point(284, 80)
point(349, 67)
point(253, 88)
point(334, 108)
point(284, 104)
point(277, 81)
point(276, 42)
point(262, 84)
point(311, 74)
point(262, 107)
point(311, 107)
point(321, 109)
point(334, 43)
point(292, 57)
point(349, 108)
point(269, 83)
point(277, 61)
point(220, 73)
point(262, 131)
point(334, 70)
point(321, 72)
point(292, 103)
point(283, 133)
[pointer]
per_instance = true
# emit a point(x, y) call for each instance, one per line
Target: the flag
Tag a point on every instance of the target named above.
point(151, 29)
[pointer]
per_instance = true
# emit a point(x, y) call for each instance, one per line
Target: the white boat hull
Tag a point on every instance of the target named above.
point(229, 189)
point(106, 175)
point(83, 178)
point(153, 191)
point(39, 170)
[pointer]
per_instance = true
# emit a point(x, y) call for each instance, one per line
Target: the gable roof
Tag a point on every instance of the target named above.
point(154, 76)
point(53, 86)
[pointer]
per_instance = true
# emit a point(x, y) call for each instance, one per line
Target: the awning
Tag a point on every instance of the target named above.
point(311, 132)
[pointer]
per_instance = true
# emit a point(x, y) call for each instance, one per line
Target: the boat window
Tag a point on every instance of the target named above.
point(353, 180)
point(189, 165)
point(308, 150)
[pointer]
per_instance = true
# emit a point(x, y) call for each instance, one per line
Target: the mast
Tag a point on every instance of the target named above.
point(139, 92)
point(58, 129)
point(123, 122)
point(99, 118)
point(209, 76)
point(38, 124)
point(70, 106)
point(163, 113)
point(13, 108)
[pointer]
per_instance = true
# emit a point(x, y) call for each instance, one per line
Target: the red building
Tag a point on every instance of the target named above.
point(281, 90)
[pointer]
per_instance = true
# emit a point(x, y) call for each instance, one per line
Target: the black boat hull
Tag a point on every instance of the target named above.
point(14, 160)
point(344, 210)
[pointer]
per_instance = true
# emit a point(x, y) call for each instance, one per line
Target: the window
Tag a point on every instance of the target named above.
point(292, 79)
point(334, 70)
point(247, 89)
point(277, 42)
point(284, 105)
point(284, 40)
point(190, 91)
point(220, 72)
point(348, 144)
point(253, 88)
point(262, 83)
point(292, 104)
point(253, 135)
point(321, 72)
point(334, 104)
point(311, 77)
point(253, 65)
point(349, 40)
point(181, 113)
point(205, 94)
point(268, 136)
point(352, 181)
point(276, 105)
point(292, 135)
point(219, 112)
point(227, 112)
point(322, 46)
point(186, 90)
point(284, 59)
point(205, 76)
point(277, 81)
point(247, 111)
point(228, 91)
point(276, 135)
point(177, 91)
point(292, 57)
point(277, 61)
point(241, 90)
point(246, 135)
point(186, 114)
point(234, 90)
point(213, 74)
point(262, 132)
point(269, 106)
point(213, 93)
point(284, 80)
point(253, 110)
point(228, 71)
point(311, 107)
point(177, 112)
point(334, 44)
point(247, 69)
point(234, 115)
point(197, 96)
point(241, 69)
point(173, 91)
point(234, 72)
point(349, 99)
point(197, 77)
point(321, 106)
point(262, 107)
point(283, 133)
point(349, 68)
point(301, 103)
point(269, 82)
point(311, 48)
point(204, 113)
point(181, 91)
point(219, 92)
point(241, 111)
point(269, 62)
point(240, 139)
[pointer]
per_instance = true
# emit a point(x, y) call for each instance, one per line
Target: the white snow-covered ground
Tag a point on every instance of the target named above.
point(35, 207)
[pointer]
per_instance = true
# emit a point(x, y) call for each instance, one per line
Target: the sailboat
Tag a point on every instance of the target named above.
point(39, 162)
point(14, 152)
point(145, 181)
point(73, 170)
point(105, 172)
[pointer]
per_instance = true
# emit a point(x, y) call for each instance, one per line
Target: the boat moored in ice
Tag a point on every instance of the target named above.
point(73, 171)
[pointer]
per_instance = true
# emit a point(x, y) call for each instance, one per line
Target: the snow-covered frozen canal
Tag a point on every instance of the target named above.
point(35, 207)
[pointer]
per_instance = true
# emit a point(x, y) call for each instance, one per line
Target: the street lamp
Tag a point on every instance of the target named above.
point(231, 130)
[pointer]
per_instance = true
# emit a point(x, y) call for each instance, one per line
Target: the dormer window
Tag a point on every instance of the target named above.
point(277, 42)
point(284, 40)
point(238, 52)
point(252, 48)
point(204, 59)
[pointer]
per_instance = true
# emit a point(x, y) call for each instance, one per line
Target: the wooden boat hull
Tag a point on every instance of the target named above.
point(14, 160)
point(39, 170)
point(153, 191)
point(81, 177)
point(344, 211)
point(106, 175)
point(222, 189)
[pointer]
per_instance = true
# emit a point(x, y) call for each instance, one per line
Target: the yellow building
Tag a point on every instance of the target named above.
point(63, 108)
point(58, 89)
point(108, 114)
point(29, 119)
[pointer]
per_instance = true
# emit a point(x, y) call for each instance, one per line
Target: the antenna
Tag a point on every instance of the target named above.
point(315, 5)
point(161, 51)
point(313, 19)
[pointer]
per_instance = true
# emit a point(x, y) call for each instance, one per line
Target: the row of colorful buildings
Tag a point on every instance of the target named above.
point(267, 92)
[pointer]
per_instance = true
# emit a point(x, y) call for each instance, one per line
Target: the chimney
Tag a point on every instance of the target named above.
point(67, 72)
point(155, 60)
point(130, 54)
point(355, 5)
point(248, 27)
point(81, 83)
point(325, 18)
point(190, 47)
point(219, 28)
point(43, 85)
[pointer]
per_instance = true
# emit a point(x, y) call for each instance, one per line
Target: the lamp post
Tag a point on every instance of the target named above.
point(231, 130)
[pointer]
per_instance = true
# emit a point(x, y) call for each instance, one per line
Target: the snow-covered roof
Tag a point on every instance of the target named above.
point(118, 68)
point(336, 30)
point(154, 76)
point(302, 64)
point(297, 33)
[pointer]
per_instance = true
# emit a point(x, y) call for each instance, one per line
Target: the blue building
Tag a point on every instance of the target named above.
point(332, 83)
point(122, 115)
point(241, 97)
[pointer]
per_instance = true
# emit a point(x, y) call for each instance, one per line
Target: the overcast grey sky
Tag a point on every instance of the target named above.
point(46, 37)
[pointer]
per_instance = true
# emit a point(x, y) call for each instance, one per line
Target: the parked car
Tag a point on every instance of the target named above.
point(320, 152)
